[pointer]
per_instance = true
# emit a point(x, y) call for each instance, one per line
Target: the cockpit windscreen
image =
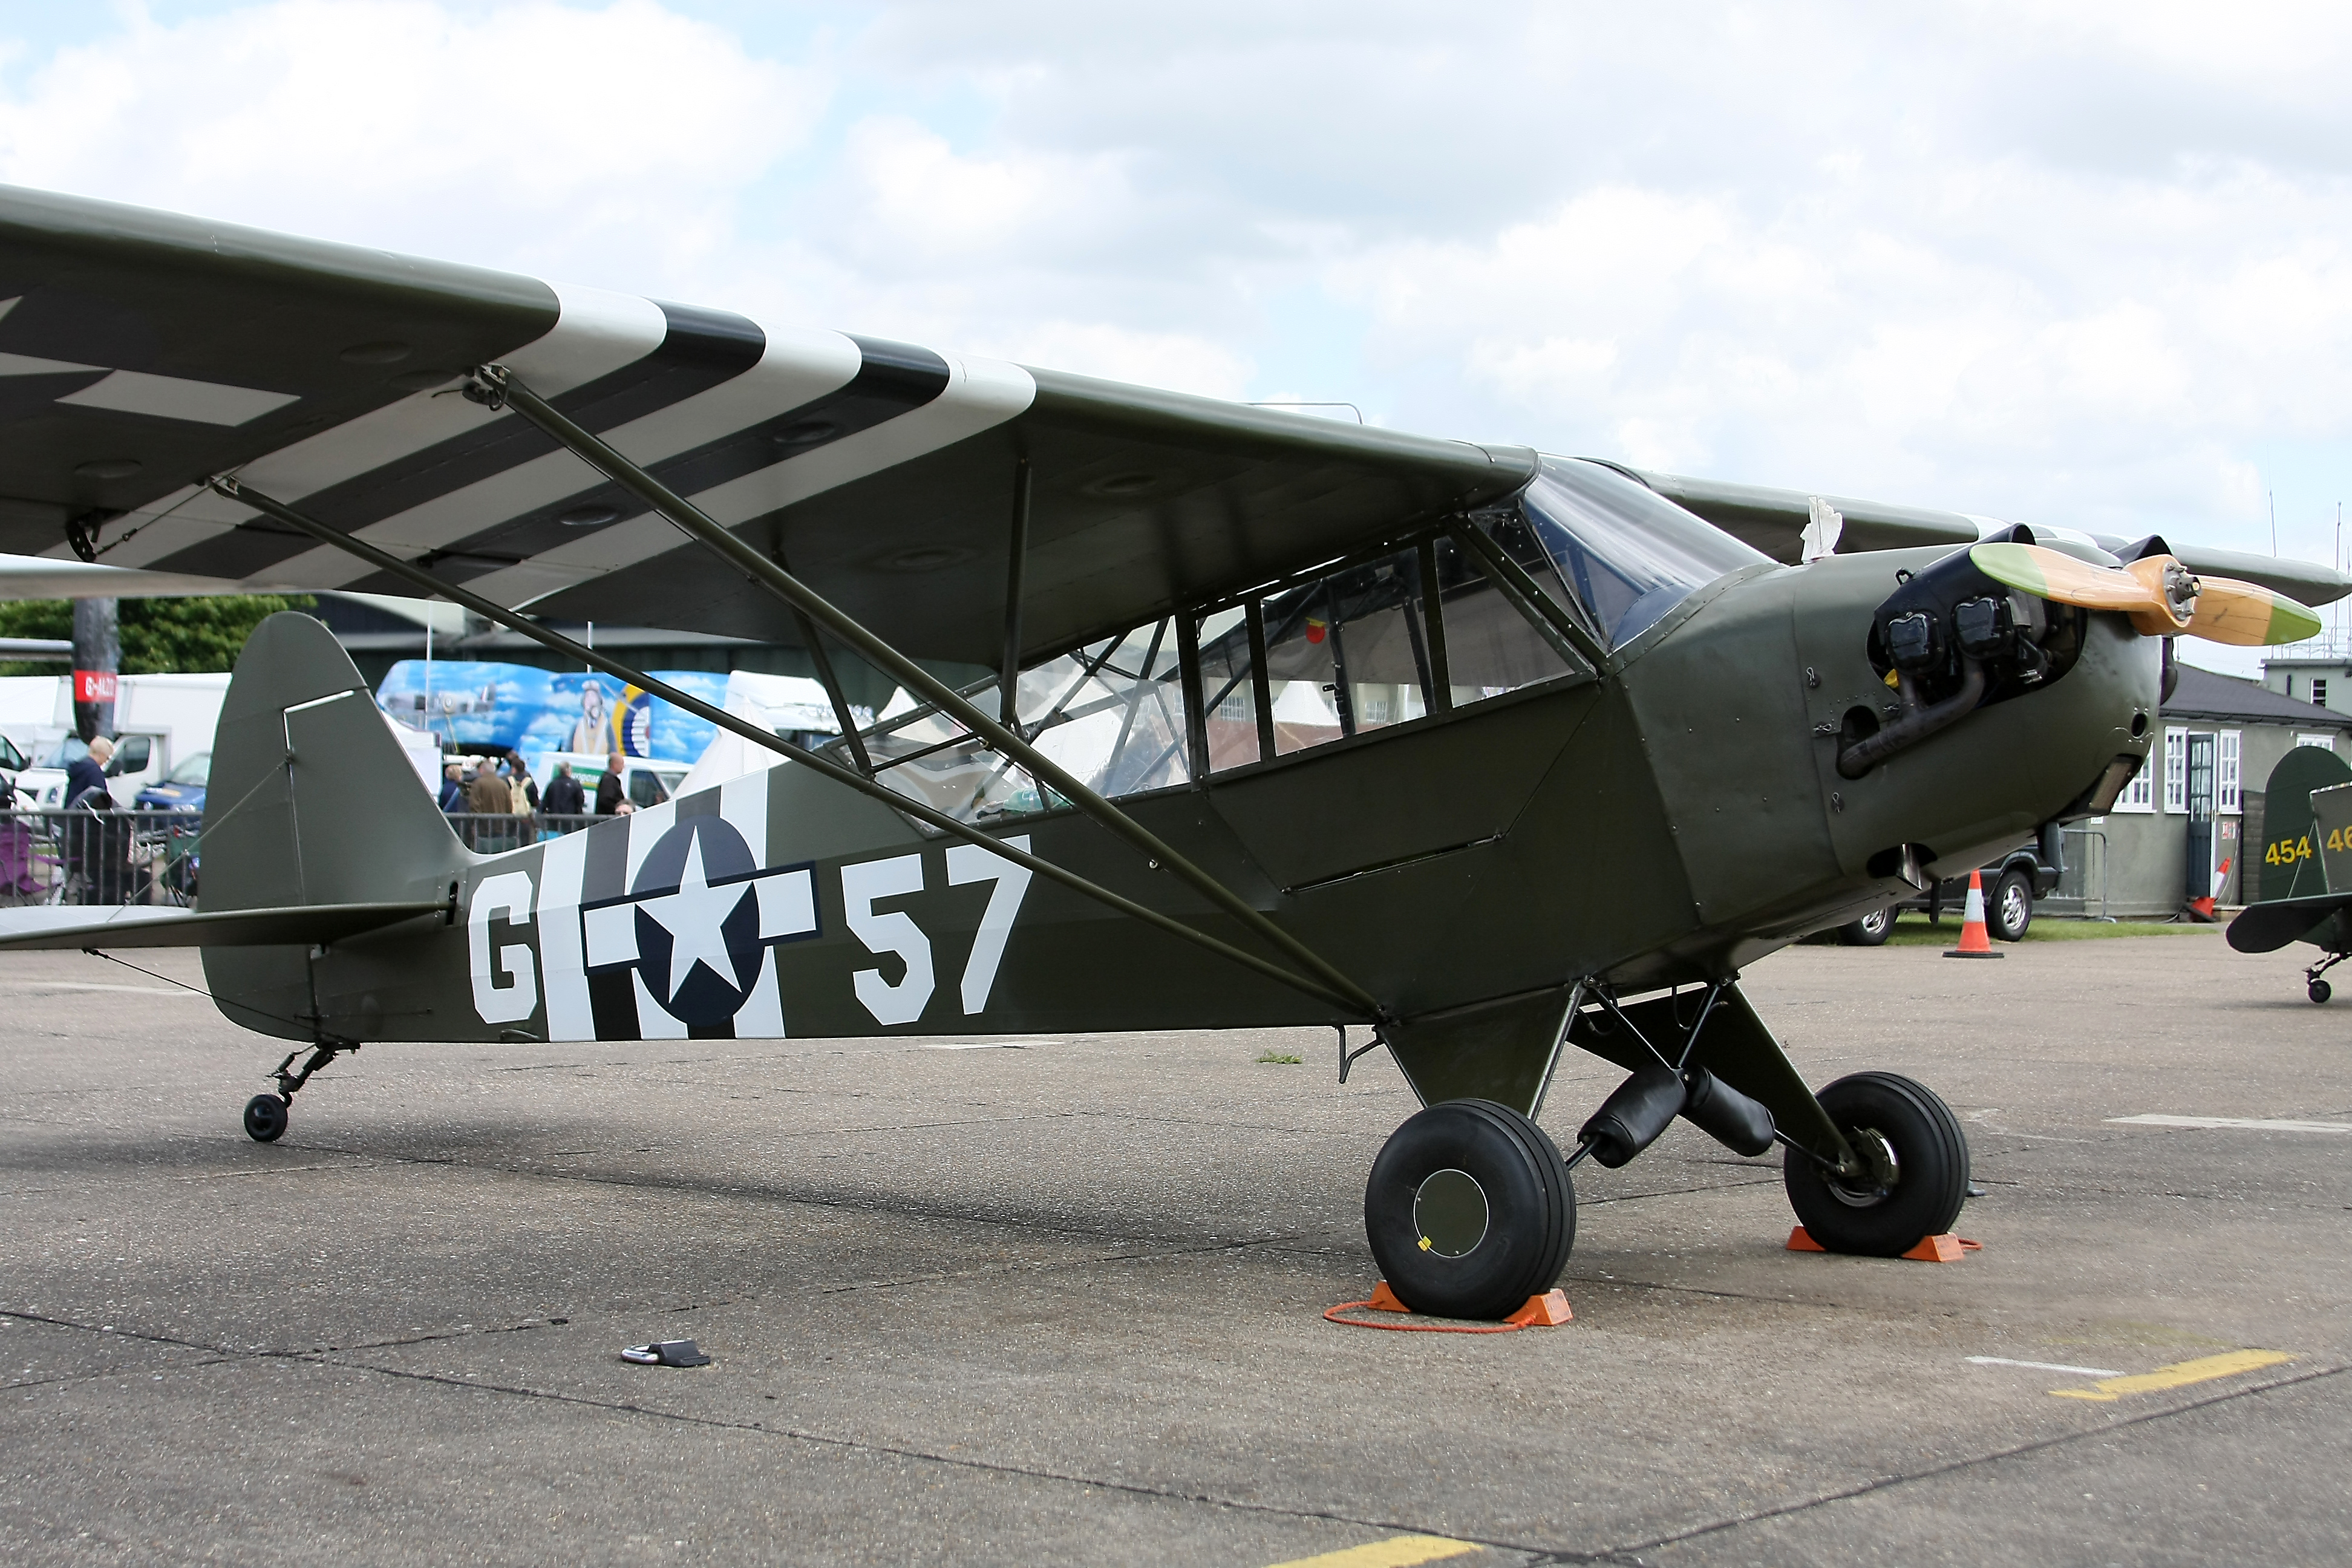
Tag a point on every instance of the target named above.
point(1626, 551)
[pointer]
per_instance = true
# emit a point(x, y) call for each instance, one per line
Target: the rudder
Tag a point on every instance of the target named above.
point(310, 801)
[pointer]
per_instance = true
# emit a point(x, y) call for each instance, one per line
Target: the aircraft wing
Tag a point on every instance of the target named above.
point(1773, 520)
point(141, 352)
point(2305, 581)
point(2267, 927)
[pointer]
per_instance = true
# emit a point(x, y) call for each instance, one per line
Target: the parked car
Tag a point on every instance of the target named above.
point(2011, 885)
point(182, 789)
point(160, 720)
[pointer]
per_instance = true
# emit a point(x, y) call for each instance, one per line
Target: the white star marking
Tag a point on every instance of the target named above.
point(692, 916)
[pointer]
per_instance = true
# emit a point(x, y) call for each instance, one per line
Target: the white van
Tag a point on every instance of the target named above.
point(160, 720)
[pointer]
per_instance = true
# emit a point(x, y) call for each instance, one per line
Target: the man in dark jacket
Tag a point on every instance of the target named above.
point(88, 771)
point(565, 796)
point(453, 789)
point(610, 801)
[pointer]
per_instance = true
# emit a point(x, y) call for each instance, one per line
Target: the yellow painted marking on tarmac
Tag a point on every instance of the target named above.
point(1396, 1551)
point(2181, 1374)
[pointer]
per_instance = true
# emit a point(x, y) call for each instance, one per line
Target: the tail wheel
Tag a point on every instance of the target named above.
point(1915, 1176)
point(265, 1119)
point(1469, 1211)
point(2319, 991)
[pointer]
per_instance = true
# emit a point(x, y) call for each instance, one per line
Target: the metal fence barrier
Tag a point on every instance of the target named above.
point(98, 857)
point(2083, 887)
point(494, 832)
point(58, 857)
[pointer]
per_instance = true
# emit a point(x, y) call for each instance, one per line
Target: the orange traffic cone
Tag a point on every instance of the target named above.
point(2204, 908)
point(1974, 942)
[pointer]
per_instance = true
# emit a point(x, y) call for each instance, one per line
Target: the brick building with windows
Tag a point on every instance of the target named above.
point(2192, 811)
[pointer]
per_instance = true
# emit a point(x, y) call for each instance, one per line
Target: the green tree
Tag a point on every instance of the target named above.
point(159, 637)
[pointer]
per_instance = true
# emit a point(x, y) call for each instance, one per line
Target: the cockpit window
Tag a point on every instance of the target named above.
point(1626, 552)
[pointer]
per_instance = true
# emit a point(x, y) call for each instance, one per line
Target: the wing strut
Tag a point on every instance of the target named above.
point(850, 739)
point(1348, 999)
point(1008, 684)
point(496, 386)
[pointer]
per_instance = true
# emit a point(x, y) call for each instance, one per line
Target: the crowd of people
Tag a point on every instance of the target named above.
point(477, 789)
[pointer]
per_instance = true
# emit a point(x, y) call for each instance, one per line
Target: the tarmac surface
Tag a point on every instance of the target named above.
point(1062, 1303)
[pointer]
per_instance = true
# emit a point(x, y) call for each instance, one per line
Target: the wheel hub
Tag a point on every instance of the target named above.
point(1879, 1173)
point(1450, 1214)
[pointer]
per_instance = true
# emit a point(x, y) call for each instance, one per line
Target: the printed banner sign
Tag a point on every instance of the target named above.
point(94, 685)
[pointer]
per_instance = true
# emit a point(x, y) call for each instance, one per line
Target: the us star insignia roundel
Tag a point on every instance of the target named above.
point(678, 921)
point(697, 922)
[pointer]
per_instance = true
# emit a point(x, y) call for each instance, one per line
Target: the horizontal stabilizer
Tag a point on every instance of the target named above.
point(52, 929)
point(2267, 927)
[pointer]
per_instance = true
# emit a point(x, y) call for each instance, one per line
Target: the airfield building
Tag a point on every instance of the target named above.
point(2184, 824)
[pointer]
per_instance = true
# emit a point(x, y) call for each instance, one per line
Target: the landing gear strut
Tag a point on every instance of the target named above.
point(265, 1114)
point(2318, 990)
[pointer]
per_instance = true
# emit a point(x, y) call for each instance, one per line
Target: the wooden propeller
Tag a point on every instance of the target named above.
point(2160, 595)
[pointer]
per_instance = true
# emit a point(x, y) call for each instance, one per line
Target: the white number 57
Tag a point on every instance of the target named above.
point(895, 931)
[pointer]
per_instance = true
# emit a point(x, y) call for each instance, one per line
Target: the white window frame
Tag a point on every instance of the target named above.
point(2139, 795)
point(2176, 769)
point(2229, 749)
point(2327, 741)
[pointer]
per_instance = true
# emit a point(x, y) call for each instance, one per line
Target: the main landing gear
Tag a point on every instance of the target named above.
point(265, 1114)
point(1469, 1210)
point(1915, 1174)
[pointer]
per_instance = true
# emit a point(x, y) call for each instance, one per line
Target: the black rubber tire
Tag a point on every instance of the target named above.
point(265, 1119)
point(2009, 907)
point(1871, 930)
point(2319, 991)
point(1931, 1157)
point(1530, 1208)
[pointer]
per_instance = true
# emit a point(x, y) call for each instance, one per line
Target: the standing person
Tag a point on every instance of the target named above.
point(90, 846)
point(88, 771)
point(520, 785)
point(453, 791)
point(565, 796)
point(487, 796)
point(610, 801)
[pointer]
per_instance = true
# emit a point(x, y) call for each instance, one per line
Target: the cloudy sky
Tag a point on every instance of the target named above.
point(2082, 265)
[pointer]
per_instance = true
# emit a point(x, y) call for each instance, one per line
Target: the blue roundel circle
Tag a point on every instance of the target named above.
point(690, 892)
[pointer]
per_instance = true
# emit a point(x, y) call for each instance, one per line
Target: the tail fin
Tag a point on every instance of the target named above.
point(310, 801)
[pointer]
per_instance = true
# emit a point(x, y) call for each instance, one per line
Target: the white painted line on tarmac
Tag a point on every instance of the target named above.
point(2043, 1366)
point(2246, 1123)
point(984, 1045)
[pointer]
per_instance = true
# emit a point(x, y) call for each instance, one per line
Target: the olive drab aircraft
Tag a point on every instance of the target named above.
point(1215, 716)
point(2304, 880)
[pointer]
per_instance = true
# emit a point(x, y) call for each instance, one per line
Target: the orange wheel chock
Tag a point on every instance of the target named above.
point(1545, 1311)
point(1944, 1249)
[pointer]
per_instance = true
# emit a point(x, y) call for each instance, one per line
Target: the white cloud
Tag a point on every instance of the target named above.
point(2084, 265)
point(535, 135)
